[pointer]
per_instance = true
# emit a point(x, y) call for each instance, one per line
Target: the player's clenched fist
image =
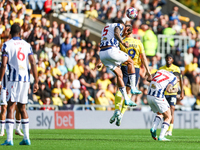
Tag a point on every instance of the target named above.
point(35, 87)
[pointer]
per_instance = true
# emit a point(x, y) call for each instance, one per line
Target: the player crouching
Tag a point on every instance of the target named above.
point(157, 101)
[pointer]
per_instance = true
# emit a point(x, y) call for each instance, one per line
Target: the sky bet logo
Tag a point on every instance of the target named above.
point(44, 120)
point(64, 120)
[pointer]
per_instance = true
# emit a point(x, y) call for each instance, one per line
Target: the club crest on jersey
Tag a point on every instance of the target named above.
point(105, 38)
point(153, 86)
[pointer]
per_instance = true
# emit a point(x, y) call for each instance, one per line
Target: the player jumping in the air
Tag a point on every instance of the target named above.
point(135, 51)
point(112, 57)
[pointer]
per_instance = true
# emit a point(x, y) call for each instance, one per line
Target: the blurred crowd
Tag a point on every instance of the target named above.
point(66, 61)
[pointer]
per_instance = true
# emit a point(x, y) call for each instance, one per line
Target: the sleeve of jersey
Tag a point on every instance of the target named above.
point(120, 26)
point(4, 50)
point(174, 81)
point(30, 51)
point(141, 47)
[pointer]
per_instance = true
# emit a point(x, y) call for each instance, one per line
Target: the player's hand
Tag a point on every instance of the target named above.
point(35, 87)
point(149, 76)
point(125, 44)
point(181, 96)
point(98, 66)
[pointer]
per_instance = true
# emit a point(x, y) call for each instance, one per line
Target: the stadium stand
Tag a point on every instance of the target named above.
point(66, 59)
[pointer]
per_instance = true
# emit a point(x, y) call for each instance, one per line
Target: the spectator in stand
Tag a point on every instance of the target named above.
point(55, 57)
point(104, 81)
point(156, 6)
point(178, 59)
point(196, 86)
point(48, 45)
point(36, 50)
point(145, 5)
point(169, 31)
point(79, 67)
point(86, 36)
point(92, 13)
point(62, 67)
point(143, 29)
point(85, 98)
point(55, 71)
point(102, 12)
point(191, 67)
point(41, 93)
point(176, 26)
point(196, 49)
point(101, 99)
point(56, 38)
point(150, 43)
point(65, 47)
point(136, 26)
point(191, 27)
point(155, 26)
point(78, 37)
point(70, 61)
point(75, 84)
point(66, 90)
point(109, 93)
point(55, 98)
point(46, 101)
point(119, 16)
point(188, 57)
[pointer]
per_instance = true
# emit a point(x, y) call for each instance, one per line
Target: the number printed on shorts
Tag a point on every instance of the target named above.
point(20, 55)
point(164, 77)
point(105, 30)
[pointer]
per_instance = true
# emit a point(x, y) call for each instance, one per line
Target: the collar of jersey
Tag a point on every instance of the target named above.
point(16, 38)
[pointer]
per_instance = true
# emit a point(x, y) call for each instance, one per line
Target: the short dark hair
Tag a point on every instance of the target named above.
point(169, 55)
point(177, 74)
point(130, 28)
point(119, 21)
point(15, 29)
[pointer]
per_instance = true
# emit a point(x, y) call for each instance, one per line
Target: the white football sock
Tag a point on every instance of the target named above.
point(9, 129)
point(18, 122)
point(25, 127)
point(164, 128)
point(156, 122)
point(132, 79)
point(2, 125)
point(124, 93)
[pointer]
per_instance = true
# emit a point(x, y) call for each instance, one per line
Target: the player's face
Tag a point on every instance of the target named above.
point(169, 60)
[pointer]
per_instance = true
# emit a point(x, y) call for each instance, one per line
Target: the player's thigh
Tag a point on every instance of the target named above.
point(107, 60)
point(125, 74)
point(171, 99)
point(161, 104)
point(24, 87)
point(151, 101)
point(117, 55)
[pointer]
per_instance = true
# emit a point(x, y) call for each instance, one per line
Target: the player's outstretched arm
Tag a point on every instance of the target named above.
point(182, 91)
point(144, 61)
point(171, 89)
point(34, 70)
point(118, 37)
point(3, 68)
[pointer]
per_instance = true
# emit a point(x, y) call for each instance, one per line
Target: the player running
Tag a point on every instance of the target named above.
point(157, 101)
point(4, 107)
point(135, 51)
point(17, 54)
point(171, 97)
point(112, 57)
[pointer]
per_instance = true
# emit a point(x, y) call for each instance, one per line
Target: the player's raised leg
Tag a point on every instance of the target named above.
point(18, 122)
point(132, 77)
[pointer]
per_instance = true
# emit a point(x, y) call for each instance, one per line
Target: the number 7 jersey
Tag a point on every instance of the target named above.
point(17, 51)
point(160, 82)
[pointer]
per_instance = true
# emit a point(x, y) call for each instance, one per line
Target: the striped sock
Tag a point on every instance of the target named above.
point(156, 122)
point(132, 79)
point(164, 128)
point(18, 122)
point(2, 126)
point(124, 93)
point(25, 127)
point(9, 129)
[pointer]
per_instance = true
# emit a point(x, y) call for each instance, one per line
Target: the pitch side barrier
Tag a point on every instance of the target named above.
point(100, 120)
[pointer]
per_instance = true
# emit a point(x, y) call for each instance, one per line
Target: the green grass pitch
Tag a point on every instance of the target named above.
point(106, 140)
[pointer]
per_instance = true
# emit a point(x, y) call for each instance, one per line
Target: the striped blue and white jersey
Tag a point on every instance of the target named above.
point(17, 51)
point(5, 77)
point(160, 82)
point(107, 35)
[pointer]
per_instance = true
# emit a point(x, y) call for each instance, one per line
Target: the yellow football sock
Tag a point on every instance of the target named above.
point(118, 98)
point(124, 107)
point(170, 127)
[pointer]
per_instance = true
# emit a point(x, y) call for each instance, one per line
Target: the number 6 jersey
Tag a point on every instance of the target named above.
point(17, 51)
point(159, 83)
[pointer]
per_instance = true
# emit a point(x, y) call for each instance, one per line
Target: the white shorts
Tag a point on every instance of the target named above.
point(3, 96)
point(112, 57)
point(158, 104)
point(18, 91)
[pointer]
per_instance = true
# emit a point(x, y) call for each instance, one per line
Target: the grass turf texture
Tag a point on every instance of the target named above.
point(106, 140)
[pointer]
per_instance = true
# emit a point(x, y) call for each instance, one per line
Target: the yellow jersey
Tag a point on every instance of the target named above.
point(172, 68)
point(134, 50)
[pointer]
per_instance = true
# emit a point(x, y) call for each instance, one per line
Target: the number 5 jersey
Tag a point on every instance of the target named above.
point(17, 51)
point(160, 82)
